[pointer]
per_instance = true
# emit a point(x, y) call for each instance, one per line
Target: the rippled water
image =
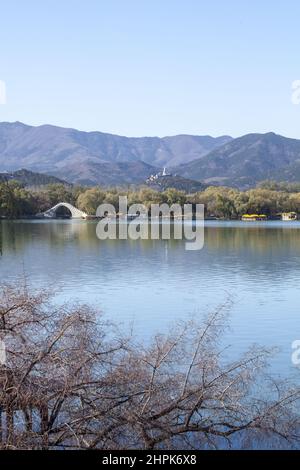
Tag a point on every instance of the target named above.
point(151, 284)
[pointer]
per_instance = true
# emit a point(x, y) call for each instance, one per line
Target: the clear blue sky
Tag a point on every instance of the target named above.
point(152, 67)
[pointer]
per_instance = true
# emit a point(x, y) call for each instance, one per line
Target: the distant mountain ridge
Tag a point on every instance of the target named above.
point(247, 160)
point(85, 157)
point(30, 178)
point(92, 158)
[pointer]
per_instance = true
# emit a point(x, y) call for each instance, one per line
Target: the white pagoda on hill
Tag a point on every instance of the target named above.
point(158, 175)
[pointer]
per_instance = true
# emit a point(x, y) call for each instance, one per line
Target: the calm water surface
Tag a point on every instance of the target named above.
point(151, 284)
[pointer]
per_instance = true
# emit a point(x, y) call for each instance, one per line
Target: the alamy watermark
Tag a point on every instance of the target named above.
point(296, 92)
point(2, 92)
point(2, 353)
point(296, 352)
point(154, 224)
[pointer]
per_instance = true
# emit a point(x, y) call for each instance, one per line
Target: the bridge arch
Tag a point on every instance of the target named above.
point(75, 213)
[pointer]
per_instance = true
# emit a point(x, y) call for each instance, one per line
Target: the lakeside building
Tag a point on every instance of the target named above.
point(289, 216)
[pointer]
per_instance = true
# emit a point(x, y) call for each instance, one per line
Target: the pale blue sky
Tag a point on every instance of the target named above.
point(152, 67)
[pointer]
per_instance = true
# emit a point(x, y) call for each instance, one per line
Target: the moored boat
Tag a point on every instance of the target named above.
point(254, 217)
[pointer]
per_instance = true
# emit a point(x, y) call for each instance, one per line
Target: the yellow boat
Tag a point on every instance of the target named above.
point(253, 217)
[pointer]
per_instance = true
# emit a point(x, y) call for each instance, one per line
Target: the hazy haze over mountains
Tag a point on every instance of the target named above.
point(106, 159)
point(95, 157)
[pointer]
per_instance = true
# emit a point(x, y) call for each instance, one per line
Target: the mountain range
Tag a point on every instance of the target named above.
point(247, 160)
point(95, 157)
point(100, 158)
point(29, 178)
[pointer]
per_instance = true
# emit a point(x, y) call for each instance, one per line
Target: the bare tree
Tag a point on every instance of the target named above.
point(71, 381)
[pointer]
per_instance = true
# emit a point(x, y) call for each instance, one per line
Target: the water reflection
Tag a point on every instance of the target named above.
point(153, 283)
point(275, 237)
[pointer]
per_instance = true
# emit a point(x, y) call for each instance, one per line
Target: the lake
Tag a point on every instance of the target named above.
point(149, 285)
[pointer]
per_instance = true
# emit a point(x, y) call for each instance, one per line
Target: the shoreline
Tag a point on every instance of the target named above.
point(94, 218)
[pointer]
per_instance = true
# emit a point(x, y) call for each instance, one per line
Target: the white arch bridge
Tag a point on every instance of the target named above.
point(75, 213)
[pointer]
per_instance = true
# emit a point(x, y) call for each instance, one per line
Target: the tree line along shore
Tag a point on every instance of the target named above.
point(269, 198)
